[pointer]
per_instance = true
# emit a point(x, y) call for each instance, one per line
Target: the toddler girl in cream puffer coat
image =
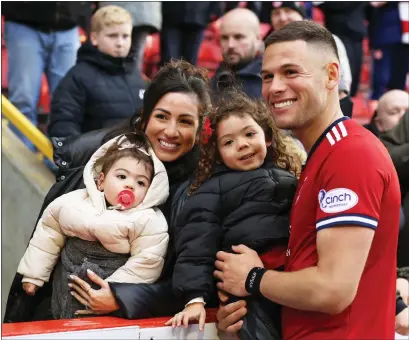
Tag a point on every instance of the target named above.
point(112, 227)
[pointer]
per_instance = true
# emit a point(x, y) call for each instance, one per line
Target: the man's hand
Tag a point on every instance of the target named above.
point(402, 285)
point(232, 269)
point(194, 311)
point(229, 316)
point(402, 322)
point(30, 288)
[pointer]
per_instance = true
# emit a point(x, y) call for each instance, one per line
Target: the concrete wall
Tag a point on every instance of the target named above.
point(25, 182)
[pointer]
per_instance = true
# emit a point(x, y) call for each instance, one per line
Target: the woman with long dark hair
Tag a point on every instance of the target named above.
point(171, 118)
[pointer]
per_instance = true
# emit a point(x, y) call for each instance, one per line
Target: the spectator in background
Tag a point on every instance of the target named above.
point(389, 49)
point(183, 26)
point(40, 37)
point(392, 106)
point(390, 124)
point(146, 19)
point(104, 87)
point(346, 19)
point(240, 42)
point(254, 6)
point(282, 13)
point(396, 140)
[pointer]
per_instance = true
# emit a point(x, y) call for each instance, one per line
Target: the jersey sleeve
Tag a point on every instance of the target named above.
point(352, 183)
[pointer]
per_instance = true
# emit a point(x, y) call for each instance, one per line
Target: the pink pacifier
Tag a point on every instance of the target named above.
point(126, 198)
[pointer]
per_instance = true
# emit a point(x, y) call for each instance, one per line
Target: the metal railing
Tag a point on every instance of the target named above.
point(27, 128)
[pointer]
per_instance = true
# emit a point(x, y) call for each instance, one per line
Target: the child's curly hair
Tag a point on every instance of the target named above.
point(286, 154)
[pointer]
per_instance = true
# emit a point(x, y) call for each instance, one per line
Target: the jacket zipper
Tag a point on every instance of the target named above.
point(130, 91)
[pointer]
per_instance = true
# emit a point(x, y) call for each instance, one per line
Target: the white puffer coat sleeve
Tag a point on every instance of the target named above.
point(44, 248)
point(148, 242)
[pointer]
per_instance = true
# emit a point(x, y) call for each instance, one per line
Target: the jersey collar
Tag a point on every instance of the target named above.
point(319, 140)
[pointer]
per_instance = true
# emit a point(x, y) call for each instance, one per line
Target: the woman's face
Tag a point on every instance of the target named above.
point(173, 125)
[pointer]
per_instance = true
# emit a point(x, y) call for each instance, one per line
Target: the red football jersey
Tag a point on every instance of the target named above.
point(349, 179)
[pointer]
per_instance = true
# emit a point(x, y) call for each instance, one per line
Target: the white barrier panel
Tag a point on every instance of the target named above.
point(115, 328)
point(111, 328)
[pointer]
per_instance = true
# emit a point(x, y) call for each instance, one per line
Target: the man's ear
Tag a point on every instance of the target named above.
point(269, 143)
point(100, 182)
point(333, 72)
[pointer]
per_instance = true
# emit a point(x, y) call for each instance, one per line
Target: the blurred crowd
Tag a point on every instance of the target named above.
point(42, 38)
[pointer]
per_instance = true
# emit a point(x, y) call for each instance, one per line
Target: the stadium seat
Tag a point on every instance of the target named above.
point(209, 56)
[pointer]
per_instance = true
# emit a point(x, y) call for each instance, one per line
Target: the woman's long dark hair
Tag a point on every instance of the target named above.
point(176, 76)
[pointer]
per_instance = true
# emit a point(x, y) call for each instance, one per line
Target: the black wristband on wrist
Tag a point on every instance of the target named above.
point(253, 280)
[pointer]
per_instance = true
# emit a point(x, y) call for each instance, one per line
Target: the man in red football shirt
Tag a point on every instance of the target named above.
point(340, 277)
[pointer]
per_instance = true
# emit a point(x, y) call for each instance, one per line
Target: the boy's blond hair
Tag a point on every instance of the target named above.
point(109, 15)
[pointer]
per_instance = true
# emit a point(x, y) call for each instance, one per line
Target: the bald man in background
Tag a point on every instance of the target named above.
point(391, 108)
point(241, 47)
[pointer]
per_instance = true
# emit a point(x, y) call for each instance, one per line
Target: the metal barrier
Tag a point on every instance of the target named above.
point(27, 128)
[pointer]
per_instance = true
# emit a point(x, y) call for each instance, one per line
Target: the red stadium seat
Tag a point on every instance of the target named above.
point(83, 36)
point(318, 15)
point(4, 68)
point(209, 56)
point(151, 57)
point(4, 82)
point(361, 111)
point(264, 29)
point(44, 99)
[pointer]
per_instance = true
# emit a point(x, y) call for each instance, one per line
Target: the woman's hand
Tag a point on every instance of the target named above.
point(194, 311)
point(100, 301)
point(30, 288)
point(229, 316)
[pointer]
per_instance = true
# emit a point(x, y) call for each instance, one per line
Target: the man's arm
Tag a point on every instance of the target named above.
point(329, 287)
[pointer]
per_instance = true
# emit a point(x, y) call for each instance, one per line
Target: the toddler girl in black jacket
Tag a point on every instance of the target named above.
point(242, 194)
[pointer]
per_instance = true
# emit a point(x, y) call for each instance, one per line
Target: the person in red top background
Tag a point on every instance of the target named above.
point(340, 276)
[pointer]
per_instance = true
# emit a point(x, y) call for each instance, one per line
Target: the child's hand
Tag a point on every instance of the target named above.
point(194, 311)
point(30, 288)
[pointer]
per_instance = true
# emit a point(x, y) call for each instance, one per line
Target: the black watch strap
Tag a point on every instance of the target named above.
point(254, 279)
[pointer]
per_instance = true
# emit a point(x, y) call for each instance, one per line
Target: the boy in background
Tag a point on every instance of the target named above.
point(104, 87)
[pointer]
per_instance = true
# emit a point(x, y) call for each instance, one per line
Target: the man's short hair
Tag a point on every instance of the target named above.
point(108, 16)
point(305, 30)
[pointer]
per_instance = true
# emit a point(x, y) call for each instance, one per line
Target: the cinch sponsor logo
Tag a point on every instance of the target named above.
point(337, 200)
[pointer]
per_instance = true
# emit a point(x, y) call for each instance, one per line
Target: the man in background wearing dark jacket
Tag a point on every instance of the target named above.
point(392, 106)
point(396, 140)
point(241, 45)
point(40, 37)
point(105, 86)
